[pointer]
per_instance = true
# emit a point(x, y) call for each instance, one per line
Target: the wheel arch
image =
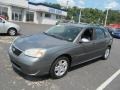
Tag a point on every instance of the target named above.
point(67, 56)
point(11, 28)
point(63, 55)
point(109, 46)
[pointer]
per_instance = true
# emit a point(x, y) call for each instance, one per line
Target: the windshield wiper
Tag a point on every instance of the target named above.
point(56, 36)
point(51, 35)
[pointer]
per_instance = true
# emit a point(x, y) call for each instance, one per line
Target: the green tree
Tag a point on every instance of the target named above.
point(90, 15)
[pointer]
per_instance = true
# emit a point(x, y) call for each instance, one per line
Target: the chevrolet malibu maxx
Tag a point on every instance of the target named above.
point(59, 48)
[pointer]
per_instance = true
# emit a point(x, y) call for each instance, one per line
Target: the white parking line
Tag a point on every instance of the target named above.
point(108, 81)
point(5, 41)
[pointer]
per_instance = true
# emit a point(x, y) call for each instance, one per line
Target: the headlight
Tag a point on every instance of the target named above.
point(112, 32)
point(37, 53)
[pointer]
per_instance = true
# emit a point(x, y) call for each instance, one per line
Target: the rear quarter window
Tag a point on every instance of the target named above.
point(100, 34)
point(107, 34)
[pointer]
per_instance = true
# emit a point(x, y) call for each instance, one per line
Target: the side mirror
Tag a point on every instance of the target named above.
point(84, 40)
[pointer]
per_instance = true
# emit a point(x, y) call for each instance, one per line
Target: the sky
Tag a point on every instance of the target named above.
point(99, 4)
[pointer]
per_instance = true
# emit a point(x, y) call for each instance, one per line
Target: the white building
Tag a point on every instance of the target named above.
point(21, 11)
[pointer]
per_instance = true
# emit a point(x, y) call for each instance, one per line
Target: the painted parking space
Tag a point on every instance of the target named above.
point(7, 39)
point(115, 84)
point(109, 81)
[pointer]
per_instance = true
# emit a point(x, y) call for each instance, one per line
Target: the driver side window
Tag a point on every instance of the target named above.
point(88, 34)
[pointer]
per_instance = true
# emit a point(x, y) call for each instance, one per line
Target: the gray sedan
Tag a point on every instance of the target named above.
point(61, 47)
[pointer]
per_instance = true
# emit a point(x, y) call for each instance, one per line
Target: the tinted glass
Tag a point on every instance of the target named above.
point(107, 32)
point(100, 34)
point(68, 33)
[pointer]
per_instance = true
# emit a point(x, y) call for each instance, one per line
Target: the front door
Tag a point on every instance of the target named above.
point(85, 50)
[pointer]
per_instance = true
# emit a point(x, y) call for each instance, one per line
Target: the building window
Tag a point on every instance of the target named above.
point(29, 16)
point(58, 17)
point(47, 15)
point(3, 11)
point(16, 14)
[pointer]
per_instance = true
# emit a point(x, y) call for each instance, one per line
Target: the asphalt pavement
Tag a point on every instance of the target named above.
point(88, 76)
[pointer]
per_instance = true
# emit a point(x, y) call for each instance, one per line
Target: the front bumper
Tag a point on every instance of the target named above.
point(29, 65)
point(19, 31)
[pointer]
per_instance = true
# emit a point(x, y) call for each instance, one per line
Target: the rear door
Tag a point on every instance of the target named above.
point(100, 42)
point(1, 26)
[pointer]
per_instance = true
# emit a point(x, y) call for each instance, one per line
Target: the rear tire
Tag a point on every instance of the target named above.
point(59, 68)
point(106, 54)
point(12, 32)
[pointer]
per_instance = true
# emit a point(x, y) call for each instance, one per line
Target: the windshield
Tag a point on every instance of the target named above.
point(68, 33)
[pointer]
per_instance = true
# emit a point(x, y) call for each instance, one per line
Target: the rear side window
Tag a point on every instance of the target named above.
point(99, 34)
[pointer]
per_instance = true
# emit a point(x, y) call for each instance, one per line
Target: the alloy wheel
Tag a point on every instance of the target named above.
point(61, 68)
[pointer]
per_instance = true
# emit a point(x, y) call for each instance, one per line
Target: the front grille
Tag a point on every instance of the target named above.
point(16, 51)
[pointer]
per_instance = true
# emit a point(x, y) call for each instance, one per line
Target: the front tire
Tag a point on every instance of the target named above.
point(106, 54)
point(12, 32)
point(59, 68)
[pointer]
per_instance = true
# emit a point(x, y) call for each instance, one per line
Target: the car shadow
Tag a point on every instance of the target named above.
point(84, 64)
point(116, 37)
point(4, 34)
point(46, 77)
point(32, 78)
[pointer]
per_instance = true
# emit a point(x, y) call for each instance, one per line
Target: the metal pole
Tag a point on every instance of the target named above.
point(67, 4)
point(28, 9)
point(106, 17)
point(80, 15)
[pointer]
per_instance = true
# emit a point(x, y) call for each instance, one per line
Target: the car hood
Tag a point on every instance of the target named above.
point(10, 24)
point(38, 41)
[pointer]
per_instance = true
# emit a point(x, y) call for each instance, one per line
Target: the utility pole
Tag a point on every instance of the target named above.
point(106, 17)
point(28, 9)
point(67, 3)
point(80, 15)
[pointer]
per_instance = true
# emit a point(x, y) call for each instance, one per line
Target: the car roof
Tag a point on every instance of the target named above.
point(82, 25)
